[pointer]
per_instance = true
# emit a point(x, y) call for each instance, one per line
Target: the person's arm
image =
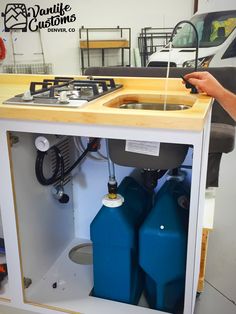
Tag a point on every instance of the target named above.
point(206, 83)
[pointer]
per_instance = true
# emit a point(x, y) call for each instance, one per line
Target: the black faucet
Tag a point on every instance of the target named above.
point(189, 85)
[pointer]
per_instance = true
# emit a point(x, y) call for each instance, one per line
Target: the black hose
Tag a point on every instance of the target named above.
point(59, 165)
point(39, 167)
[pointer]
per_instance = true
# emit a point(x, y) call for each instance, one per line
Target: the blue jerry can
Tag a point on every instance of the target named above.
point(114, 233)
point(163, 247)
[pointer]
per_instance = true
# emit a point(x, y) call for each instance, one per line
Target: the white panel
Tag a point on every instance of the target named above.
point(74, 285)
point(200, 154)
point(45, 225)
point(1, 231)
point(9, 223)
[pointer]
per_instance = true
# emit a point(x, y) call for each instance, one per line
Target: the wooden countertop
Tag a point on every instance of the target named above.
point(98, 112)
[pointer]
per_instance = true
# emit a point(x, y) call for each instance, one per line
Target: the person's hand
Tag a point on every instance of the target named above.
point(205, 82)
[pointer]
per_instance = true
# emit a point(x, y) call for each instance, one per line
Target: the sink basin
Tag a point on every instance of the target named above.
point(154, 106)
point(152, 102)
point(171, 155)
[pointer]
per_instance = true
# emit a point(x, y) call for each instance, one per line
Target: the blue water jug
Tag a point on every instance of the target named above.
point(114, 233)
point(163, 247)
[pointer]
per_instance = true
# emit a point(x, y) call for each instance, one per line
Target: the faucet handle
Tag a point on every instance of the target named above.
point(189, 85)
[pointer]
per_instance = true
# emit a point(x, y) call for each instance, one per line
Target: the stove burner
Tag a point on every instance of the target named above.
point(65, 91)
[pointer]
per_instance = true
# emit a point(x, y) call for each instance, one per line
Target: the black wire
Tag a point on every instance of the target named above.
point(186, 166)
point(59, 165)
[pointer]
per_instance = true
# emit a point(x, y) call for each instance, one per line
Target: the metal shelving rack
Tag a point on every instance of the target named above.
point(150, 40)
point(88, 43)
point(27, 68)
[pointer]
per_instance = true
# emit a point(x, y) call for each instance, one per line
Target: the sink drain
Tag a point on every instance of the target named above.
point(82, 254)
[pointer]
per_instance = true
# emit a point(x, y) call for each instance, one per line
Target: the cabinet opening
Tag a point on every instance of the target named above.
point(60, 238)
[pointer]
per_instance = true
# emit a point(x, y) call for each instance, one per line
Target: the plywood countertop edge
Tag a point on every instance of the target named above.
point(103, 118)
point(96, 111)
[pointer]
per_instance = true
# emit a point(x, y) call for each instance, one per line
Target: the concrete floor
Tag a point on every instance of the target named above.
point(220, 290)
point(219, 295)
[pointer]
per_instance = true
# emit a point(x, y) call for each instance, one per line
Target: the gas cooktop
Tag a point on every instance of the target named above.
point(64, 92)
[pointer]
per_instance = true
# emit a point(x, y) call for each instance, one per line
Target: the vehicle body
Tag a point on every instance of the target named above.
point(217, 42)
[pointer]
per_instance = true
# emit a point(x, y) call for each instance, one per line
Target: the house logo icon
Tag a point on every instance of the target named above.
point(15, 17)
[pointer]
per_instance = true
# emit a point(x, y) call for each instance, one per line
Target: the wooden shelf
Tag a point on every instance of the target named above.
point(104, 44)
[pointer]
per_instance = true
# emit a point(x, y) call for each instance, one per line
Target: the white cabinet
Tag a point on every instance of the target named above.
point(39, 232)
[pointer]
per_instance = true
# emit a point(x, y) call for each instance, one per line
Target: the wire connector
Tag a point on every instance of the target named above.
point(93, 144)
point(112, 189)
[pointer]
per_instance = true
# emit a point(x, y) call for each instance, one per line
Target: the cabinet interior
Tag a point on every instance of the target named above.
point(49, 230)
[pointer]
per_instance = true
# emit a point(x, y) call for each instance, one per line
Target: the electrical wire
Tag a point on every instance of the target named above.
point(80, 147)
point(186, 166)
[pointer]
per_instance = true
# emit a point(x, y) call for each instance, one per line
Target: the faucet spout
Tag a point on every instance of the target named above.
point(196, 34)
point(193, 88)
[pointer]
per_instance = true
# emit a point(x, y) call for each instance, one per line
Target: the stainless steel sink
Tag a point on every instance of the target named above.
point(152, 102)
point(171, 155)
point(154, 106)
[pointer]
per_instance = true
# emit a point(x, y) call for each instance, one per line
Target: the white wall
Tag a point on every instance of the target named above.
point(62, 49)
point(1, 231)
point(216, 5)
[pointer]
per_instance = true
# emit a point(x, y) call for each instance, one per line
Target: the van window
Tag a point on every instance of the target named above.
point(213, 28)
point(231, 51)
